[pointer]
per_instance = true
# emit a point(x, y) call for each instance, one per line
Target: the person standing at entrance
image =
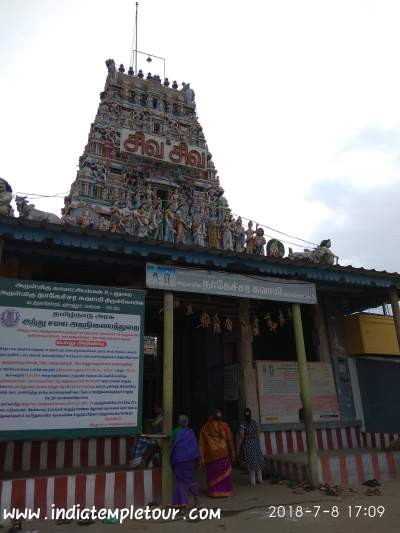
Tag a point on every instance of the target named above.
point(216, 453)
point(184, 461)
point(249, 449)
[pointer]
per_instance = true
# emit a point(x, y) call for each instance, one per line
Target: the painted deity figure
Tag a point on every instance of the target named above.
point(182, 225)
point(104, 224)
point(169, 221)
point(29, 212)
point(5, 198)
point(239, 236)
point(174, 200)
point(250, 238)
point(156, 221)
point(142, 222)
point(110, 63)
point(148, 195)
point(222, 206)
point(116, 220)
point(213, 233)
point(198, 230)
point(188, 94)
point(128, 221)
point(84, 220)
point(259, 242)
point(227, 235)
point(324, 253)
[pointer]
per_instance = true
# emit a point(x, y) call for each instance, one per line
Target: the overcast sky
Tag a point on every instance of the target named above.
point(299, 102)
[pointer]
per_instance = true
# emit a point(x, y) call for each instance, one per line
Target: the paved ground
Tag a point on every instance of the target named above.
point(251, 509)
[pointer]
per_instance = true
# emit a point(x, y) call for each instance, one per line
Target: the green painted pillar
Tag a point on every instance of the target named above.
point(306, 395)
point(168, 393)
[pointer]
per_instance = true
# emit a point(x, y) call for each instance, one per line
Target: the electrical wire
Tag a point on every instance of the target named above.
point(34, 195)
point(280, 232)
point(62, 194)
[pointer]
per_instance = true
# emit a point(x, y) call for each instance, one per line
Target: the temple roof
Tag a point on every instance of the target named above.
point(22, 232)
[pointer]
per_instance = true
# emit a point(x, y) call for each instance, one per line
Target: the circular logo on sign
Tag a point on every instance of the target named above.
point(9, 318)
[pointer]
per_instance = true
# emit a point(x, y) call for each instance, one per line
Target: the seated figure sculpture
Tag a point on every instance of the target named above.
point(322, 254)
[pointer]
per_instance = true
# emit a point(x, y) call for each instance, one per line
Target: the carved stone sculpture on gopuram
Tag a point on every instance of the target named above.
point(146, 171)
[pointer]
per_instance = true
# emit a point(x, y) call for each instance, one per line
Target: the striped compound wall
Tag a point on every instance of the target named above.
point(110, 490)
point(81, 453)
point(57, 455)
point(341, 468)
point(278, 442)
point(378, 440)
point(124, 488)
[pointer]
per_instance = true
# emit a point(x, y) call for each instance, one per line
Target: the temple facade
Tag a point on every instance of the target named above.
point(228, 320)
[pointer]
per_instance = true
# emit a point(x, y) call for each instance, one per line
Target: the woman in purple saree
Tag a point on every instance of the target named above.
point(184, 461)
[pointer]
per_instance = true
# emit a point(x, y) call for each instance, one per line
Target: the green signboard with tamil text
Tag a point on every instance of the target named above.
point(71, 359)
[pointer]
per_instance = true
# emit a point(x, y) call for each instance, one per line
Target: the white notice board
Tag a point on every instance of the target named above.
point(279, 392)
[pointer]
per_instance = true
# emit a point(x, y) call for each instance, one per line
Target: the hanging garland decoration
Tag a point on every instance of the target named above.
point(256, 327)
point(228, 325)
point(216, 325)
point(275, 320)
point(204, 320)
point(244, 325)
point(271, 324)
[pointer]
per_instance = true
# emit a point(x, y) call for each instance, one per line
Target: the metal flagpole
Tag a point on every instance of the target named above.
point(136, 24)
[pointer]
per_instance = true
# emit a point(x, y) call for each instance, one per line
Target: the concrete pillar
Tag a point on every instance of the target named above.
point(305, 390)
point(168, 393)
point(248, 374)
point(394, 302)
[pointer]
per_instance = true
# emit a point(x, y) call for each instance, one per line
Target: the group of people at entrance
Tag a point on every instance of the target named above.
point(216, 452)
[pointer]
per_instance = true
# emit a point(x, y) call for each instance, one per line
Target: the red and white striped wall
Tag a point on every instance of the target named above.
point(104, 490)
point(343, 469)
point(283, 469)
point(57, 455)
point(278, 442)
point(377, 440)
point(358, 467)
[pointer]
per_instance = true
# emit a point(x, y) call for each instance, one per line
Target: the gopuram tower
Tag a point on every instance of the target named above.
point(146, 170)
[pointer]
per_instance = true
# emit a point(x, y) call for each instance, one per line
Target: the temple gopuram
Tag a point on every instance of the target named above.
point(147, 171)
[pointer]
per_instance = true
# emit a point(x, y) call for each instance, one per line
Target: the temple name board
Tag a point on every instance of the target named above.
point(224, 284)
point(180, 153)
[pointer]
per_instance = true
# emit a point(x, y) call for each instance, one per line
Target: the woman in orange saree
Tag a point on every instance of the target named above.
point(216, 453)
